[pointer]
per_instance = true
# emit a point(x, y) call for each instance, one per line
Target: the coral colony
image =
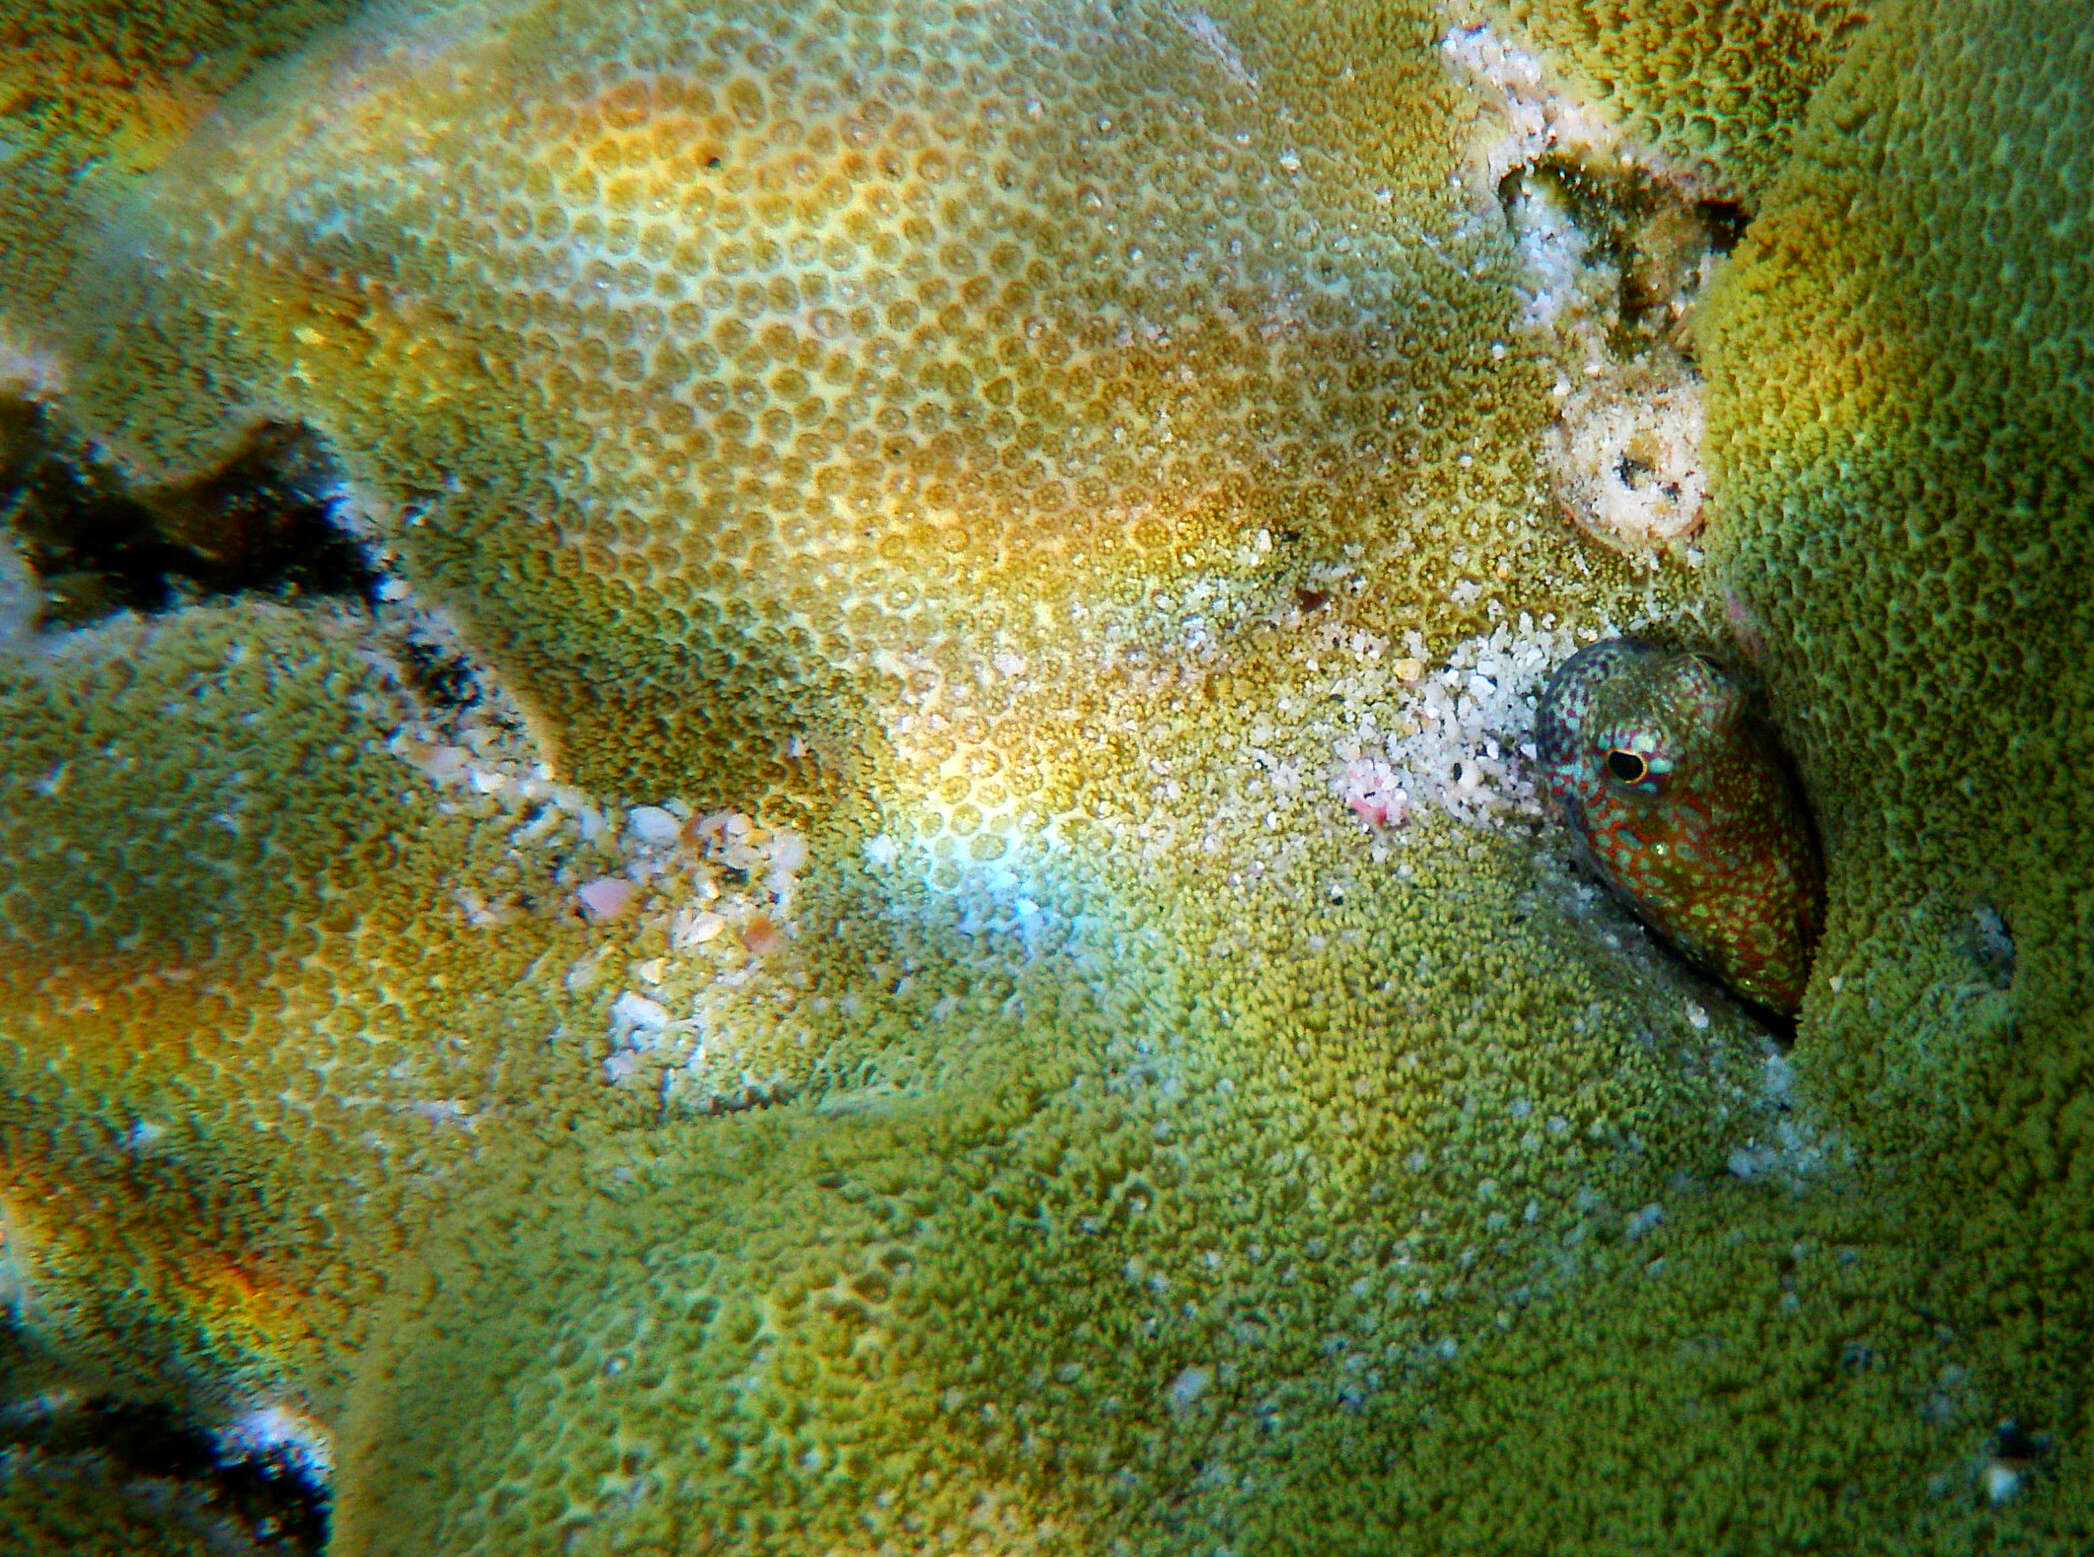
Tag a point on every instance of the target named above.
point(770, 783)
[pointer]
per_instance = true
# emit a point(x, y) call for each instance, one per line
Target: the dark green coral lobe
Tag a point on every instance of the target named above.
point(1679, 799)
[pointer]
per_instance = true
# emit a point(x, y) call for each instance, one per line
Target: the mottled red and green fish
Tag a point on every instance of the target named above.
point(1680, 800)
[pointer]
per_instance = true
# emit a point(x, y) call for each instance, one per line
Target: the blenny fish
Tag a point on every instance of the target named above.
point(1680, 799)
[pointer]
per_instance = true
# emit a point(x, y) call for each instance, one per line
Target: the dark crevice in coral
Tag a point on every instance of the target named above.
point(1724, 221)
point(442, 679)
point(263, 523)
point(2017, 1447)
point(267, 1495)
point(1642, 224)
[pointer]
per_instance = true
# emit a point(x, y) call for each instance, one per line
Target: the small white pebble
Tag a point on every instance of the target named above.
point(607, 897)
point(639, 1013)
point(788, 854)
point(275, 1430)
point(652, 824)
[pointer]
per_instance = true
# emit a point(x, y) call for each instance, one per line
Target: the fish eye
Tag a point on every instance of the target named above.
point(1627, 766)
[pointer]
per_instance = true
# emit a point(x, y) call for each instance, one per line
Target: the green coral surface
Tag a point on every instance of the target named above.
point(930, 932)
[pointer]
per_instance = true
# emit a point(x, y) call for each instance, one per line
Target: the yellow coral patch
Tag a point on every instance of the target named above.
point(249, 968)
point(798, 354)
point(1900, 403)
point(1718, 88)
point(93, 95)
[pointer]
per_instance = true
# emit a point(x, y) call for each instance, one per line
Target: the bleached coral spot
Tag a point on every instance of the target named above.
point(1188, 1387)
point(1624, 457)
point(1534, 114)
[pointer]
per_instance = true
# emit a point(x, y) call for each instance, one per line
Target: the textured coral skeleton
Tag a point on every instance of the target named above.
point(910, 910)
